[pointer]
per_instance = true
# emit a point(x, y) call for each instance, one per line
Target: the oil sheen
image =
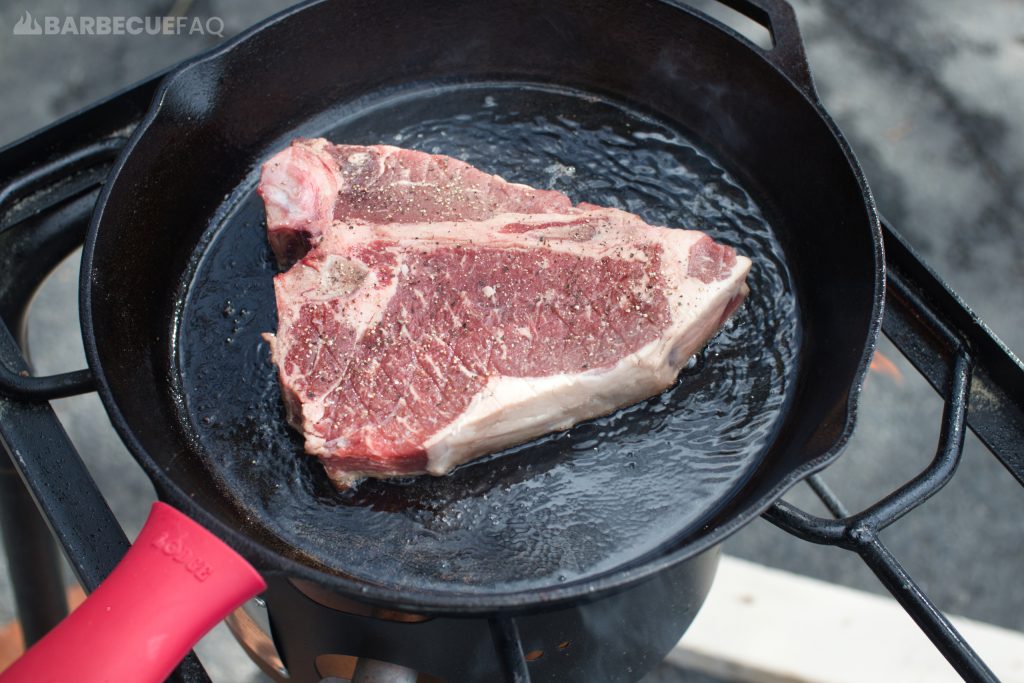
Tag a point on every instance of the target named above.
point(564, 507)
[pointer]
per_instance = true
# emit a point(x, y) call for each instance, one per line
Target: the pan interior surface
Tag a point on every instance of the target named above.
point(562, 508)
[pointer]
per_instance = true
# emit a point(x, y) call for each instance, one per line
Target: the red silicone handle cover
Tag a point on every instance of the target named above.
point(174, 584)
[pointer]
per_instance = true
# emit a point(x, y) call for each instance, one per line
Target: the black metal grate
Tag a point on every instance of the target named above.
point(961, 359)
point(48, 185)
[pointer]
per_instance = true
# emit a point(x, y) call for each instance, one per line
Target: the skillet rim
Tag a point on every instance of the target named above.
point(432, 602)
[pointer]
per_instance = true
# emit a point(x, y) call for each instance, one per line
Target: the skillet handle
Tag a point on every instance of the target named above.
point(174, 584)
point(787, 52)
point(53, 228)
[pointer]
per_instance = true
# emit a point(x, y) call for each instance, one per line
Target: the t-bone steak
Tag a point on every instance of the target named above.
point(411, 340)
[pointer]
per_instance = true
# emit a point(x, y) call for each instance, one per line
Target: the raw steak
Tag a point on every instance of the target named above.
point(313, 183)
point(411, 342)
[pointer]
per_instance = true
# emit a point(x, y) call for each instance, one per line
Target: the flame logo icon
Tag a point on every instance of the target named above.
point(27, 26)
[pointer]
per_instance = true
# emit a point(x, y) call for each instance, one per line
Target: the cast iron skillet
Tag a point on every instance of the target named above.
point(645, 105)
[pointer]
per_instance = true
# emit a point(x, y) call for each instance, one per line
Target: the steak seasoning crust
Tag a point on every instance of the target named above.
point(432, 313)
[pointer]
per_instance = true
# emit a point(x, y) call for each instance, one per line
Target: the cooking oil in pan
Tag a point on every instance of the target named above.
point(566, 506)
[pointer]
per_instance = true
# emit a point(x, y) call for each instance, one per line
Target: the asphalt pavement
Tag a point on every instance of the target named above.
point(929, 94)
